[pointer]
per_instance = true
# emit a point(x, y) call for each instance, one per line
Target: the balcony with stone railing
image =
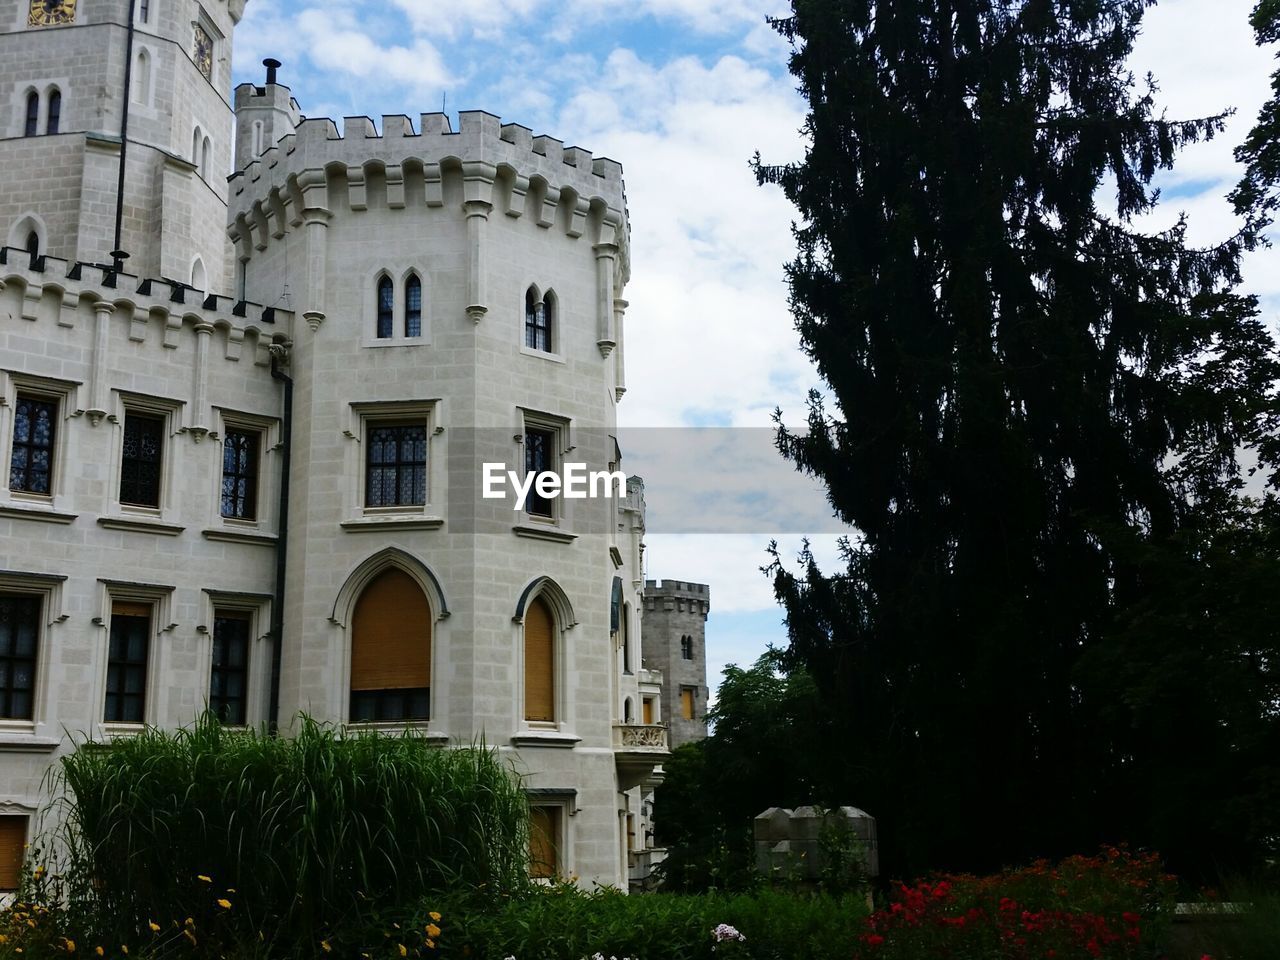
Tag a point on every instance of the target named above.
point(639, 749)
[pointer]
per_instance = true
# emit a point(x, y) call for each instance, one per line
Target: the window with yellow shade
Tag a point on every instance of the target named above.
point(544, 842)
point(13, 841)
point(539, 663)
point(391, 651)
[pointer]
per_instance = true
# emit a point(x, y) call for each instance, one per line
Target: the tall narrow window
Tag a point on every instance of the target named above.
point(19, 633)
point(539, 457)
point(144, 11)
point(537, 323)
point(626, 641)
point(55, 113)
point(686, 647)
point(544, 842)
point(391, 651)
point(141, 460)
point(32, 126)
point(206, 158)
point(142, 78)
point(127, 662)
point(646, 710)
point(13, 846)
point(34, 426)
point(396, 470)
point(229, 678)
point(240, 474)
point(546, 321)
point(413, 307)
point(196, 139)
point(386, 306)
point(33, 244)
point(539, 663)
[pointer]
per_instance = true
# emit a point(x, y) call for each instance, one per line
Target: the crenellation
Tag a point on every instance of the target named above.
point(397, 126)
point(519, 136)
point(359, 128)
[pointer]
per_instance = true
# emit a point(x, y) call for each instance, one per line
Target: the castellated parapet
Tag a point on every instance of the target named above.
point(485, 169)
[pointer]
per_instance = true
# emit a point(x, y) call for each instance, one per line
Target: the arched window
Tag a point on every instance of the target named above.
point(386, 307)
point(539, 663)
point(55, 112)
point(257, 138)
point(142, 78)
point(196, 138)
point(33, 244)
point(206, 158)
point(199, 279)
point(413, 307)
point(626, 710)
point(686, 648)
point(33, 115)
point(391, 650)
point(548, 320)
point(537, 321)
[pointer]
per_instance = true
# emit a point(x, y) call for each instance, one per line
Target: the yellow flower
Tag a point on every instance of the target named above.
point(434, 916)
point(3, 938)
point(404, 951)
point(431, 944)
point(71, 946)
point(190, 922)
point(433, 930)
point(155, 927)
point(124, 948)
point(99, 951)
point(225, 904)
point(38, 872)
point(201, 876)
point(324, 945)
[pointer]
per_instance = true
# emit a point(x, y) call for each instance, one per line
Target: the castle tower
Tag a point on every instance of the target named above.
point(63, 68)
point(264, 116)
point(675, 635)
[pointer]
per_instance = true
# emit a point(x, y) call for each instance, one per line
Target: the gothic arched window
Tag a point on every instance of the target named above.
point(32, 126)
point(55, 112)
point(539, 662)
point(391, 650)
point(413, 307)
point(386, 307)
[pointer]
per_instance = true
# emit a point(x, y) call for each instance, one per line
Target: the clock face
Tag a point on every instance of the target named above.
point(203, 52)
point(48, 13)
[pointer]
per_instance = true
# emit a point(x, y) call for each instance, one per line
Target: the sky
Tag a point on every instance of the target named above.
point(683, 93)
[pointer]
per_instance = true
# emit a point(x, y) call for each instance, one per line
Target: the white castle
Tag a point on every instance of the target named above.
point(245, 421)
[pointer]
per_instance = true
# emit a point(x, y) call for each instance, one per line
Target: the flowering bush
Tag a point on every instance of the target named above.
point(1111, 906)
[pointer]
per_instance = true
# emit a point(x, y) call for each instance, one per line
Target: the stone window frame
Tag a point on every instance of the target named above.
point(398, 273)
point(48, 588)
point(170, 412)
point(258, 664)
point(160, 598)
point(269, 430)
point(555, 326)
point(64, 394)
point(565, 801)
point(363, 414)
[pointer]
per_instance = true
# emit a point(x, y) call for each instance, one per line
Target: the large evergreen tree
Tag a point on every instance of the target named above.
point(1032, 418)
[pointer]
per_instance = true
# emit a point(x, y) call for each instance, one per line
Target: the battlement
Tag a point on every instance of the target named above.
point(499, 167)
point(53, 288)
point(677, 588)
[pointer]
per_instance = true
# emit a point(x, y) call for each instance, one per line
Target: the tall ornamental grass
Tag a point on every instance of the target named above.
point(278, 837)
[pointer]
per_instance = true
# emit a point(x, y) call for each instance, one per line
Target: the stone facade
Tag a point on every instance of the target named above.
point(305, 359)
point(675, 645)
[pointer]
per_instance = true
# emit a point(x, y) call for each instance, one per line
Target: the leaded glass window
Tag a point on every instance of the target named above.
point(19, 634)
point(31, 463)
point(141, 460)
point(539, 457)
point(127, 663)
point(397, 465)
point(386, 306)
point(240, 474)
point(413, 307)
point(228, 681)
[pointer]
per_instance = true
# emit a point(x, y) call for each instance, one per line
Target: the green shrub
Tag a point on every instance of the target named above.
point(272, 840)
point(562, 923)
point(1244, 927)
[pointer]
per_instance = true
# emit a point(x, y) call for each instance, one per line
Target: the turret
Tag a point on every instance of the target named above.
point(264, 116)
